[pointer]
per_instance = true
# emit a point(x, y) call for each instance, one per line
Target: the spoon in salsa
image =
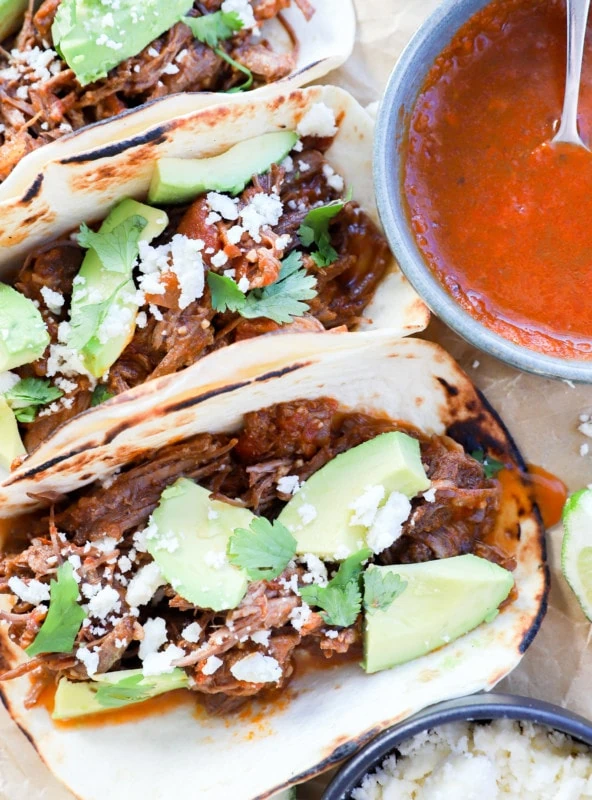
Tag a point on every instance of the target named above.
point(577, 18)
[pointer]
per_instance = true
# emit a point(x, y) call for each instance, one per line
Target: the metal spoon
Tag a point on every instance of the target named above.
point(577, 17)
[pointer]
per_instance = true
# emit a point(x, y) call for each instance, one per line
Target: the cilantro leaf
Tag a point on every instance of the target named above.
point(117, 249)
point(381, 589)
point(64, 618)
point(100, 395)
point(238, 66)
point(340, 604)
point(315, 231)
point(263, 550)
point(87, 320)
point(351, 569)
point(491, 466)
point(135, 688)
point(283, 300)
point(341, 599)
point(125, 691)
point(226, 296)
point(213, 28)
point(28, 394)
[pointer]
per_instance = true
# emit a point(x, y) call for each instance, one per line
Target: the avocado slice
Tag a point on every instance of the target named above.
point(11, 444)
point(176, 180)
point(23, 334)
point(11, 16)
point(79, 698)
point(93, 37)
point(101, 285)
point(188, 536)
point(443, 600)
point(391, 460)
point(287, 794)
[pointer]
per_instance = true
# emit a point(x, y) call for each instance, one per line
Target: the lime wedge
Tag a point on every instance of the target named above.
point(576, 550)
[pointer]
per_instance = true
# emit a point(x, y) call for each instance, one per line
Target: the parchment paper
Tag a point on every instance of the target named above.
point(542, 415)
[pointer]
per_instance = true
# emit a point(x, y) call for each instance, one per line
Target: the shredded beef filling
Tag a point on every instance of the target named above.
point(173, 338)
point(295, 438)
point(39, 102)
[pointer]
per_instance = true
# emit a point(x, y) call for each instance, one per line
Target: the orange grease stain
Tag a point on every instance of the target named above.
point(550, 494)
point(157, 706)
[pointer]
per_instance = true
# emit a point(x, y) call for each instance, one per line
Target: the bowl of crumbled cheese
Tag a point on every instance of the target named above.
point(485, 747)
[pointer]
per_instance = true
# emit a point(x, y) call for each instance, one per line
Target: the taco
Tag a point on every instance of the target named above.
point(304, 503)
point(67, 64)
point(260, 237)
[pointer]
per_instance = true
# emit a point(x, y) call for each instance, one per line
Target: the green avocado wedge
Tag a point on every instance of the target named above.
point(11, 16)
point(99, 287)
point(442, 601)
point(24, 335)
point(93, 37)
point(176, 180)
point(188, 537)
point(11, 444)
point(320, 514)
point(112, 690)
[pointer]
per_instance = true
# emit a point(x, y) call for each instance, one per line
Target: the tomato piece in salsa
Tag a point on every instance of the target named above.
point(503, 218)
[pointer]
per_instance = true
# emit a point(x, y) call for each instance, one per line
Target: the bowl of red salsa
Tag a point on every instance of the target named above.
point(490, 222)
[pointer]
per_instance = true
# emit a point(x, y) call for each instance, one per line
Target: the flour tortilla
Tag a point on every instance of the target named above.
point(332, 712)
point(85, 189)
point(323, 44)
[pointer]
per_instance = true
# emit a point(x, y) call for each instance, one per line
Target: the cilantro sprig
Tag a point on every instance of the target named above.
point(381, 589)
point(491, 466)
point(341, 605)
point(135, 688)
point(86, 320)
point(263, 550)
point(28, 394)
point(100, 395)
point(213, 28)
point(281, 301)
point(315, 231)
point(341, 599)
point(117, 249)
point(64, 618)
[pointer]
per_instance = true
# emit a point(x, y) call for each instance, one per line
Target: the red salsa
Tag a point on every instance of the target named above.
point(503, 218)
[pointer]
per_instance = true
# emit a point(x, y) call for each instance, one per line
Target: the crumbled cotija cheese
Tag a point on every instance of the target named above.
point(53, 300)
point(192, 632)
point(289, 484)
point(104, 603)
point(89, 659)
point(264, 210)
point(160, 663)
point(365, 507)
point(155, 635)
point(319, 120)
point(257, 668)
point(469, 761)
point(388, 523)
point(33, 592)
point(244, 10)
point(8, 380)
point(143, 585)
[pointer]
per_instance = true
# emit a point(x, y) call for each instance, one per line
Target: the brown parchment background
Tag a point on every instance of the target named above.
point(542, 415)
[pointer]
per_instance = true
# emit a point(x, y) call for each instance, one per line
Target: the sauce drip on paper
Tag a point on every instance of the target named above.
point(550, 494)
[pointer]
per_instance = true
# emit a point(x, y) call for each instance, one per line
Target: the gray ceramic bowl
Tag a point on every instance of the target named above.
point(478, 707)
point(402, 89)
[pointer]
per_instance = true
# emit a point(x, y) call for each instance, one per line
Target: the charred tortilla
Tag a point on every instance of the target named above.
point(176, 323)
point(44, 99)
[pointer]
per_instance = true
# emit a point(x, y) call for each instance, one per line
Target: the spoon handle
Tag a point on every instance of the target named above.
point(577, 17)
